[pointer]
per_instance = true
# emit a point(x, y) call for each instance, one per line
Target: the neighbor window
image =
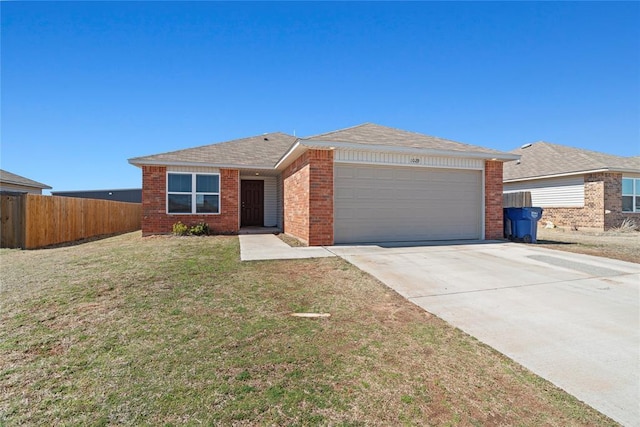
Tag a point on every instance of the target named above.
point(193, 193)
point(630, 195)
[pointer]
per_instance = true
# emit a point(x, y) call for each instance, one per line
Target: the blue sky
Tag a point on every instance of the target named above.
point(87, 85)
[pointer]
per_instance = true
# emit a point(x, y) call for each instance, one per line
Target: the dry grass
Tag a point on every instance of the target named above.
point(627, 226)
point(172, 331)
point(623, 245)
point(294, 242)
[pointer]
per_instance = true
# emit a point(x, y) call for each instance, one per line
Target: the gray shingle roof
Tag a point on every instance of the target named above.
point(373, 134)
point(12, 178)
point(266, 150)
point(543, 158)
point(256, 151)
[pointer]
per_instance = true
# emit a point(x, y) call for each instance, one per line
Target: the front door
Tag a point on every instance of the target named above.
point(252, 203)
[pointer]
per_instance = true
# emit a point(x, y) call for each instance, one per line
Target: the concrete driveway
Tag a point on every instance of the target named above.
point(572, 319)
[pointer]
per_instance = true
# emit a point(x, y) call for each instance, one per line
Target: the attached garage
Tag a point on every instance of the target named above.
point(375, 203)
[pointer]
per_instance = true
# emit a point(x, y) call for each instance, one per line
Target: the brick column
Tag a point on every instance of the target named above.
point(493, 221)
point(229, 218)
point(308, 197)
point(295, 184)
point(154, 184)
point(320, 197)
point(593, 211)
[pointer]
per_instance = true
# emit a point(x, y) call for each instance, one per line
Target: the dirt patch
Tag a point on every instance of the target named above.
point(624, 246)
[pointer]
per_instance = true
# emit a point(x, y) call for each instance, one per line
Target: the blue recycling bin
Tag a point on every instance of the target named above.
point(521, 224)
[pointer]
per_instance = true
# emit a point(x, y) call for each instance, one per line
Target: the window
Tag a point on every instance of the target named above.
point(630, 195)
point(191, 193)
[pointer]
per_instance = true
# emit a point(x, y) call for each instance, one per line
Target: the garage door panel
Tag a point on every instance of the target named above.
point(406, 204)
point(384, 174)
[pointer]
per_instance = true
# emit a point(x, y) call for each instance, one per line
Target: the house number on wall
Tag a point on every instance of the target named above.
point(414, 160)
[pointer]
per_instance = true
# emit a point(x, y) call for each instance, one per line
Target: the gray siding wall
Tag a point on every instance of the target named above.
point(280, 202)
point(270, 201)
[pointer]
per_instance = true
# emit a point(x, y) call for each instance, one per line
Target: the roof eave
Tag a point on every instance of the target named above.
point(580, 172)
point(295, 151)
point(140, 163)
point(31, 184)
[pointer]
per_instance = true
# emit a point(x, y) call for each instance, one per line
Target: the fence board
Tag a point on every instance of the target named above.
point(12, 219)
point(49, 220)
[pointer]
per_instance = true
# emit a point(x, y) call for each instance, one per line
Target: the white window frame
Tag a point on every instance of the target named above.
point(635, 193)
point(193, 194)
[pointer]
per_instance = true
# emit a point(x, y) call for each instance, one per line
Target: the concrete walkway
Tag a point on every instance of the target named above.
point(256, 247)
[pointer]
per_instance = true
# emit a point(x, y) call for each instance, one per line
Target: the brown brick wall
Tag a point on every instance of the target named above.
point(493, 221)
point(308, 198)
point(613, 215)
point(155, 219)
point(602, 205)
point(296, 198)
point(320, 197)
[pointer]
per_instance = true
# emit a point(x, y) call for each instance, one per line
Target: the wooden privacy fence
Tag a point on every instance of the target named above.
point(521, 199)
point(32, 221)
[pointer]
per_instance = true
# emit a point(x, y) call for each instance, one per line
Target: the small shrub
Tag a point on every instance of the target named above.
point(200, 229)
point(179, 229)
point(628, 225)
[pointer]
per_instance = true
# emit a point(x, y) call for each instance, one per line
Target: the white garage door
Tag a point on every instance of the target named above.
point(394, 204)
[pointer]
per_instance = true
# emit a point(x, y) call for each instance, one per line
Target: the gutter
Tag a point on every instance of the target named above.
point(140, 163)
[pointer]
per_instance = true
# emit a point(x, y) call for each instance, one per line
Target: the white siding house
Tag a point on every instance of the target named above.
point(565, 192)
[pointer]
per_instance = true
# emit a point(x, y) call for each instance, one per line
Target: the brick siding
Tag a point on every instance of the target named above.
point(602, 205)
point(493, 214)
point(308, 198)
point(613, 215)
point(155, 219)
point(296, 198)
point(320, 197)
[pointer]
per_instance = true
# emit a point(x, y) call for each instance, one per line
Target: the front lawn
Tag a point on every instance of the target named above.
point(176, 330)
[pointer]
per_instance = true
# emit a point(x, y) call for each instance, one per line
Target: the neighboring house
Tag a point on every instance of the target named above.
point(19, 184)
point(131, 195)
point(577, 188)
point(368, 183)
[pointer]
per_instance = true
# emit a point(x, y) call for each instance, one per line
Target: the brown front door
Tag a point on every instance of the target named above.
point(252, 203)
